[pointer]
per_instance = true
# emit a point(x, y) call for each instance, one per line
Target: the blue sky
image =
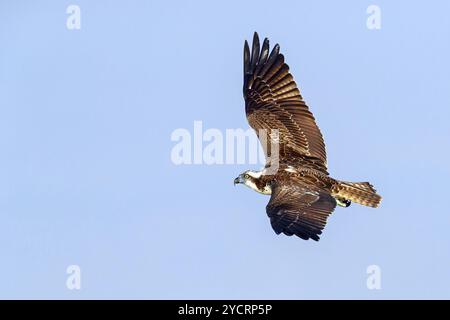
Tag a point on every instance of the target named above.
point(86, 176)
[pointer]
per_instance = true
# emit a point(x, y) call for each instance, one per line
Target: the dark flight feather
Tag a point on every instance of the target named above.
point(273, 101)
point(298, 209)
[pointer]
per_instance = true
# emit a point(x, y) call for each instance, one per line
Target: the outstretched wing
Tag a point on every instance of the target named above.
point(273, 101)
point(298, 209)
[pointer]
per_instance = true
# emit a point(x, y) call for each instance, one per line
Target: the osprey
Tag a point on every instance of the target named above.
point(303, 194)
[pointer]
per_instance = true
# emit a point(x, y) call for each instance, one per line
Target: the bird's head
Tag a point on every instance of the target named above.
point(252, 179)
point(245, 177)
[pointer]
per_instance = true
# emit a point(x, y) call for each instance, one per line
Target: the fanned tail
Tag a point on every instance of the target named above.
point(359, 192)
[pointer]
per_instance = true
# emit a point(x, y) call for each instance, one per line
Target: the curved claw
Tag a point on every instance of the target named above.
point(343, 202)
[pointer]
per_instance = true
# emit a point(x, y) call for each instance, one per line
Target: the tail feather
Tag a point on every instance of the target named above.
point(360, 192)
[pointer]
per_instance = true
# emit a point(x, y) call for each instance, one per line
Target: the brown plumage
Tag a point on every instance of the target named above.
point(303, 194)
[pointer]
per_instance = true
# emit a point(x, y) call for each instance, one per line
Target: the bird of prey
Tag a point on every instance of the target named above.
point(303, 194)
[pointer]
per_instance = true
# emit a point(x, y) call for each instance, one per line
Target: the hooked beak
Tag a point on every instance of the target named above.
point(237, 181)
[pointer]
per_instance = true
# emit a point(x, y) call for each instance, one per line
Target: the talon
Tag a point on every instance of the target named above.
point(343, 202)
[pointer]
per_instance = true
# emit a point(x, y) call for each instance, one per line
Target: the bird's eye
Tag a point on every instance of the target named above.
point(246, 176)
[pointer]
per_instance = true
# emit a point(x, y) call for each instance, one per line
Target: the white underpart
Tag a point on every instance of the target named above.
point(267, 190)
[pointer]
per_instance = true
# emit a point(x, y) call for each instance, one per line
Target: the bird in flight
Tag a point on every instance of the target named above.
point(302, 194)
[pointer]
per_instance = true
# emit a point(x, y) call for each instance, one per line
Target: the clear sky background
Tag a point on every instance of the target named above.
point(86, 176)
